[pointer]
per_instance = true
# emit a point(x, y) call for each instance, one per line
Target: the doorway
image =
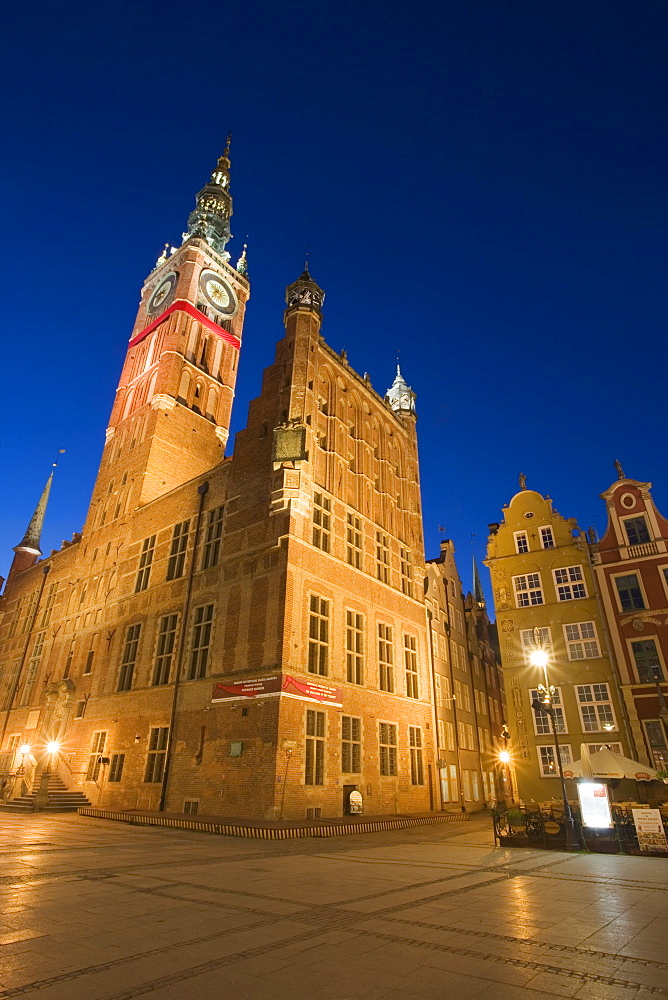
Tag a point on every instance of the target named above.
point(347, 789)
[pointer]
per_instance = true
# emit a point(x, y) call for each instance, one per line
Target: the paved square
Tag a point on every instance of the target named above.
point(93, 910)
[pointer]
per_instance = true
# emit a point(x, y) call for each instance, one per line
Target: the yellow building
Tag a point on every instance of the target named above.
point(542, 579)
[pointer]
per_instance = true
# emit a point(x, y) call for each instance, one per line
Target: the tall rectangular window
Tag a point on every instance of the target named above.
point(647, 660)
point(629, 592)
point(450, 731)
point(387, 740)
point(164, 652)
point(17, 618)
point(637, 531)
point(542, 722)
point(318, 636)
point(581, 641)
point(521, 542)
point(385, 658)
point(33, 668)
point(406, 571)
point(382, 557)
point(157, 752)
point(129, 657)
point(314, 758)
point(145, 562)
point(569, 583)
point(595, 707)
point(322, 507)
point(546, 537)
point(351, 745)
point(116, 767)
point(528, 590)
point(411, 664)
point(48, 604)
point(97, 745)
point(656, 737)
point(442, 739)
point(353, 541)
point(415, 746)
point(177, 554)
point(201, 642)
point(354, 647)
point(212, 538)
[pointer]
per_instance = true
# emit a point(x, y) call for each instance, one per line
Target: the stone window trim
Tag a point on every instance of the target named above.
point(636, 529)
point(569, 583)
point(521, 542)
point(629, 596)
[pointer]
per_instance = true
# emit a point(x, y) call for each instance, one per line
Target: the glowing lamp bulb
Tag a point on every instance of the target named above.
point(504, 756)
point(539, 658)
point(53, 746)
point(25, 748)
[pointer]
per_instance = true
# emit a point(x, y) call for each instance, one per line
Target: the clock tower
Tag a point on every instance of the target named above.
point(171, 416)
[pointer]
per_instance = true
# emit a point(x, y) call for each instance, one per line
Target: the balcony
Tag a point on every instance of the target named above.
point(645, 549)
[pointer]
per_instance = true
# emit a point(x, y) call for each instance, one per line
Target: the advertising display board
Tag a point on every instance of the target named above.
point(275, 685)
point(594, 805)
point(649, 827)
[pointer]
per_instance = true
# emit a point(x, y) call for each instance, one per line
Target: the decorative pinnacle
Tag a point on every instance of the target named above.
point(400, 396)
point(242, 263)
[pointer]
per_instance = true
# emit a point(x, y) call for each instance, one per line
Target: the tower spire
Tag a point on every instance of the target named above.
point(478, 592)
point(28, 550)
point(400, 396)
point(210, 219)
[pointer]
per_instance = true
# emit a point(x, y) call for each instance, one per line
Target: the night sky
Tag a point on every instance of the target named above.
point(481, 185)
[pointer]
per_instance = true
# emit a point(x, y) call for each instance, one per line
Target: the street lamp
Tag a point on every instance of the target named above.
point(544, 703)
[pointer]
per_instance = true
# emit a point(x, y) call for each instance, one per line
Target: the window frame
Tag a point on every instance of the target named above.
point(315, 736)
point(618, 597)
point(354, 540)
point(129, 656)
point(659, 652)
point(213, 536)
point(176, 562)
point(156, 754)
point(355, 633)
point(636, 517)
point(541, 529)
point(581, 641)
point(416, 748)
point(564, 748)
point(319, 645)
point(519, 538)
point(146, 556)
point(411, 668)
point(593, 703)
point(351, 744)
point(164, 657)
point(385, 643)
point(533, 693)
point(388, 751)
point(199, 655)
point(321, 536)
point(570, 583)
point(529, 590)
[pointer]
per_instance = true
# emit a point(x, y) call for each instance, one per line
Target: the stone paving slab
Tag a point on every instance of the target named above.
point(416, 914)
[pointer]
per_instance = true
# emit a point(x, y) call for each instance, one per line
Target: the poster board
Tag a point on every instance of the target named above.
point(594, 805)
point(649, 827)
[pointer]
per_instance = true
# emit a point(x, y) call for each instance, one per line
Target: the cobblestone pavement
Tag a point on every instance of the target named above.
point(93, 910)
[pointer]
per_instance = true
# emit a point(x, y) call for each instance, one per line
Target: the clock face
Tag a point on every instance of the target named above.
point(163, 293)
point(218, 293)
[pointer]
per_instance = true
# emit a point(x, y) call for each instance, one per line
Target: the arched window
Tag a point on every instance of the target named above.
point(212, 404)
point(129, 399)
point(184, 387)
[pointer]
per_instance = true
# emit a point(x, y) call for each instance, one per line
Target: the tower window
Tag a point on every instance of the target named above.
point(129, 658)
point(212, 538)
point(351, 744)
point(385, 658)
point(318, 632)
point(353, 541)
point(177, 555)
point(314, 762)
point(387, 742)
point(145, 562)
point(354, 647)
point(382, 557)
point(322, 507)
point(164, 649)
point(406, 571)
point(201, 642)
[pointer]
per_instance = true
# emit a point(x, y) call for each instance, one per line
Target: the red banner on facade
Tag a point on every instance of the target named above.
point(187, 307)
point(276, 685)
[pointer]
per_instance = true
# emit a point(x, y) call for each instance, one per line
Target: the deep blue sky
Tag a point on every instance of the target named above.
point(482, 185)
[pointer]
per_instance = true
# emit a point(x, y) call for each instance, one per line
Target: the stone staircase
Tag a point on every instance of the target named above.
point(60, 798)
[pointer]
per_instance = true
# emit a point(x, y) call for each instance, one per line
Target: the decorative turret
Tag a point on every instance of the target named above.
point(400, 396)
point(210, 219)
point(304, 293)
point(242, 263)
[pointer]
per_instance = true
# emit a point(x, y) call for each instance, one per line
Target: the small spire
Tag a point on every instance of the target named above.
point(400, 396)
point(31, 539)
point(210, 219)
point(242, 263)
point(478, 592)
point(305, 292)
point(619, 470)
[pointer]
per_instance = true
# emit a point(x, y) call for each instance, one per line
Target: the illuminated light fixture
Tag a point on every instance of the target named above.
point(53, 746)
point(538, 658)
point(24, 749)
point(608, 727)
point(504, 756)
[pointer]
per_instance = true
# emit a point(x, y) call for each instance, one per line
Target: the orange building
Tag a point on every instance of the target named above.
point(241, 636)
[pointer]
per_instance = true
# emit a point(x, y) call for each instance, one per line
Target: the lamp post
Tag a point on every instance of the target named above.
point(544, 703)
